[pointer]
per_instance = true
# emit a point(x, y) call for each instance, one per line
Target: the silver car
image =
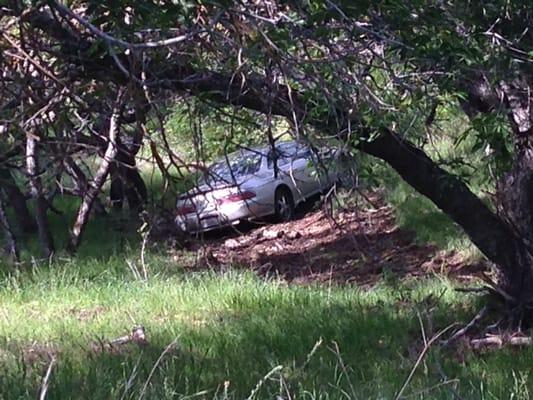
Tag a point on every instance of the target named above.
point(254, 183)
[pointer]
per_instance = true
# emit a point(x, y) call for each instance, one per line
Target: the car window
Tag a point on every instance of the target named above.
point(287, 152)
point(303, 152)
point(280, 157)
point(238, 164)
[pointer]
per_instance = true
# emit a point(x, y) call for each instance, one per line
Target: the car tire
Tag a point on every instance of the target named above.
point(283, 205)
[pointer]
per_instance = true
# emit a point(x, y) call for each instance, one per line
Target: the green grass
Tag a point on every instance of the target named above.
point(231, 330)
point(419, 215)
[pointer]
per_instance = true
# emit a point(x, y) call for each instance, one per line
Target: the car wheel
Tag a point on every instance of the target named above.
point(284, 205)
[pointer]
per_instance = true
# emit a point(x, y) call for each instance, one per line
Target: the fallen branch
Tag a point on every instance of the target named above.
point(137, 335)
point(461, 332)
point(500, 341)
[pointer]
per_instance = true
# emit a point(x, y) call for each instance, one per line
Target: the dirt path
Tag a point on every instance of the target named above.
point(357, 246)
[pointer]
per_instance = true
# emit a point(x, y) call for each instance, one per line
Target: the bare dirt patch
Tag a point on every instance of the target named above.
point(354, 246)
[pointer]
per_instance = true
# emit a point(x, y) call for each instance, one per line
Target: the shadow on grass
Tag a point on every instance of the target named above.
point(418, 214)
point(104, 236)
point(378, 344)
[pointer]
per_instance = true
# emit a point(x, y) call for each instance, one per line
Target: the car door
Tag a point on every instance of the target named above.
point(304, 167)
point(323, 165)
point(294, 163)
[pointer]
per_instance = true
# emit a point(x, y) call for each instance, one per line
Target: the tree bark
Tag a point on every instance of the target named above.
point(99, 178)
point(41, 204)
point(11, 242)
point(82, 184)
point(17, 200)
point(127, 183)
point(514, 200)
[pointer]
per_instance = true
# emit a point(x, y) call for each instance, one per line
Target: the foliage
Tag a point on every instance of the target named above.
point(201, 133)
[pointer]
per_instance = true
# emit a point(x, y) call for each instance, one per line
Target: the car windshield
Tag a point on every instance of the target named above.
point(235, 165)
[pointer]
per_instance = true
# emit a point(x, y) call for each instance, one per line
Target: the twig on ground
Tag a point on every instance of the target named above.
point(501, 340)
point(46, 379)
point(137, 335)
point(461, 332)
point(420, 358)
point(156, 364)
point(263, 380)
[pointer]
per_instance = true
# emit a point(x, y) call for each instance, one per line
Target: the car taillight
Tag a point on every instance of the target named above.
point(233, 198)
point(182, 210)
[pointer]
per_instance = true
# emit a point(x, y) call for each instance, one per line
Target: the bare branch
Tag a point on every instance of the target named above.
point(65, 11)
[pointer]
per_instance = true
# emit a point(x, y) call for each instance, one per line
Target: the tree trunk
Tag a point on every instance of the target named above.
point(41, 205)
point(515, 204)
point(496, 239)
point(127, 183)
point(17, 200)
point(11, 243)
point(515, 190)
point(82, 184)
point(96, 185)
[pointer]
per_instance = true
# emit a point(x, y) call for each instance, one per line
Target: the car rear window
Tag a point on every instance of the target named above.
point(240, 163)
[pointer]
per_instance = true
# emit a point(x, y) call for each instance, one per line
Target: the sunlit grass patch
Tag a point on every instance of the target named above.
point(230, 330)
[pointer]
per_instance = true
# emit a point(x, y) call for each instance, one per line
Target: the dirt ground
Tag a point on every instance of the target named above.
point(355, 246)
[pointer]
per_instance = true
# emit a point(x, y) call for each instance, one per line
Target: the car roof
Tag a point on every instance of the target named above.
point(285, 145)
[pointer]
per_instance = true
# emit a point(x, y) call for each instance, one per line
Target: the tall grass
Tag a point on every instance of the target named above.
point(230, 330)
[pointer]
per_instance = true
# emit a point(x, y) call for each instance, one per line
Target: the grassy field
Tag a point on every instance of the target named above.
point(233, 335)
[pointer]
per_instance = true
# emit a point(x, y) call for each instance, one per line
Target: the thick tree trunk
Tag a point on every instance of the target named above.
point(96, 185)
point(41, 204)
point(491, 234)
point(17, 200)
point(515, 190)
point(126, 181)
point(515, 204)
point(11, 243)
